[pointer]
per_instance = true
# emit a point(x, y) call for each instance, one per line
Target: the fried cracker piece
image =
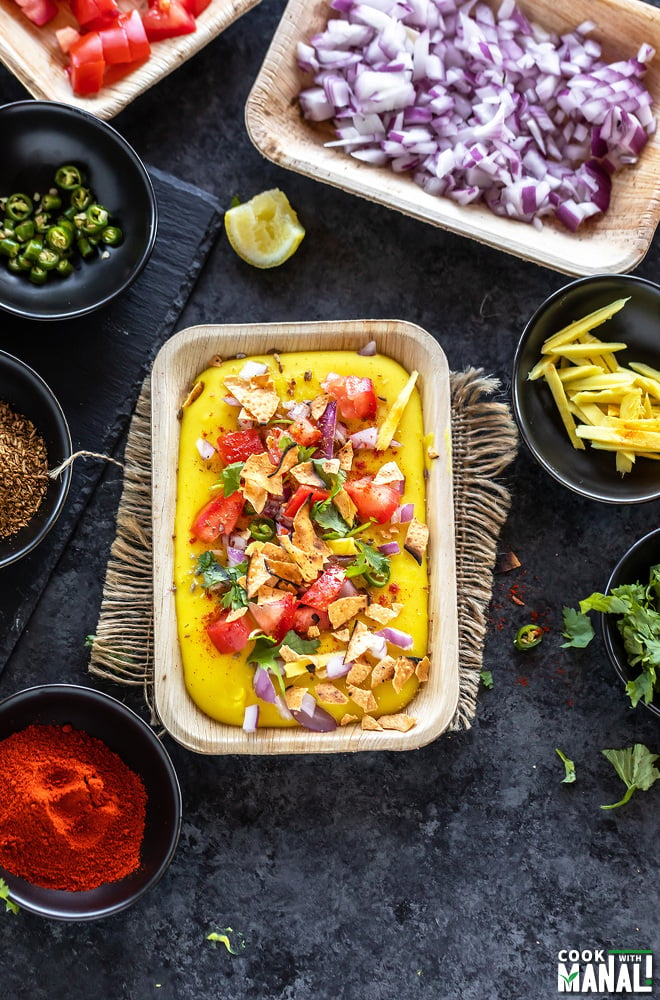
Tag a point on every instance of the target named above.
point(388, 473)
point(308, 551)
point(330, 694)
point(362, 697)
point(347, 719)
point(318, 406)
point(417, 537)
point(257, 573)
point(382, 614)
point(345, 456)
point(194, 393)
point(403, 671)
point(288, 654)
point(422, 669)
point(293, 697)
point(288, 570)
point(342, 635)
point(305, 474)
point(345, 608)
point(400, 722)
point(368, 722)
point(257, 395)
point(235, 613)
point(359, 673)
point(383, 671)
point(360, 641)
point(345, 506)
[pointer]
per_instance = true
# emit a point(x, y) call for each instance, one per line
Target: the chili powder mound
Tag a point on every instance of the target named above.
point(23, 470)
point(72, 813)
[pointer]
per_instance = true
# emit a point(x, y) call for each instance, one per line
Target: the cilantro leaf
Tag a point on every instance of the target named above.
point(334, 481)
point(577, 628)
point(298, 644)
point(328, 517)
point(569, 767)
point(231, 478)
point(486, 678)
point(634, 765)
point(10, 905)
point(214, 574)
point(370, 563)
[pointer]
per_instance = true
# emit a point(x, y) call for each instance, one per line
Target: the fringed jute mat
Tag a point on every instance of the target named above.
point(484, 443)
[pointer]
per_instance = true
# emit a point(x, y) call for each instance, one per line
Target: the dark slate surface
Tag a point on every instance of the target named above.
point(95, 366)
point(456, 871)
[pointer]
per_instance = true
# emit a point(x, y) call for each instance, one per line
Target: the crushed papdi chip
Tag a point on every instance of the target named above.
point(388, 473)
point(400, 722)
point(345, 608)
point(194, 393)
point(360, 641)
point(368, 722)
point(306, 475)
point(383, 671)
point(417, 537)
point(345, 456)
point(347, 719)
point(362, 697)
point(345, 506)
point(257, 572)
point(330, 694)
point(422, 669)
point(359, 673)
point(319, 405)
point(257, 395)
point(382, 614)
point(293, 697)
point(403, 671)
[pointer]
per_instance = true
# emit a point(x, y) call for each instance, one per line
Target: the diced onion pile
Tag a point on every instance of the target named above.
point(479, 105)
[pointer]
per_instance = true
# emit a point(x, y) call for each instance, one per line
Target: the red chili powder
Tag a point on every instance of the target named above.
point(72, 813)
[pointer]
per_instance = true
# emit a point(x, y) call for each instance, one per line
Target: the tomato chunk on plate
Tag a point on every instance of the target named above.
point(237, 446)
point(167, 19)
point(325, 589)
point(356, 397)
point(228, 637)
point(218, 517)
point(376, 501)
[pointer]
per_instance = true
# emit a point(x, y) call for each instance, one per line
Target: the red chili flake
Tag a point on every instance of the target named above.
point(394, 588)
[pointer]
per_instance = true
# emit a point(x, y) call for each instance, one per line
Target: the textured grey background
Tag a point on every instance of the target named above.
point(458, 870)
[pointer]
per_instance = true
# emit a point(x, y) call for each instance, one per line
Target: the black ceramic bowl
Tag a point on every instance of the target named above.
point(37, 138)
point(26, 393)
point(134, 741)
point(633, 567)
point(590, 473)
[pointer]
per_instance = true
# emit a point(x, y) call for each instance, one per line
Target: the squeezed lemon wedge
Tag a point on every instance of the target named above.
point(264, 231)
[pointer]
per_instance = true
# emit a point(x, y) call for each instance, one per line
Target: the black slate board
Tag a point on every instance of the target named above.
point(96, 365)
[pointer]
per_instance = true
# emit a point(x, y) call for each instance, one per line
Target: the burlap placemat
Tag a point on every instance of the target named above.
point(484, 443)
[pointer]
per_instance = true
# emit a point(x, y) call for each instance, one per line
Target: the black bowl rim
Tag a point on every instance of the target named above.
point(607, 621)
point(66, 474)
point(68, 111)
point(538, 455)
point(100, 698)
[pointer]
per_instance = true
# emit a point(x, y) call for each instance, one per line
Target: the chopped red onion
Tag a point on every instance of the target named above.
point(378, 646)
point(251, 718)
point(312, 716)
point(234, 555)
point(396, 637)
point(404, 513)
point(263, 685)
point(348, 589)
point(368, 350)
point(327, 424)
point(252, 368)
point(480, 106)
point(364, 438)
point(337, 666)
point(205, 448)
point(389, 548)
point(230, 401)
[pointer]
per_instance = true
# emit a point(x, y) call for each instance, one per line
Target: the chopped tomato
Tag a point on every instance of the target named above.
point(116, 49)
point(87, 64)
point(302, 494)
point(38, 11)
point(377, 501)
point(218, 517)
point(196, 6)
point(94, 14)
point(275, 618)
point(325, 589)
point(228, 637)
point(136, 35)
point(305, 617)
point(356, 398)
point(236, 446)
point(167, 19)
point(304, 432)
point(66, 37)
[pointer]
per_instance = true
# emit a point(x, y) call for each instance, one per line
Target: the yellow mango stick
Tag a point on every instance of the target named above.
point(636, 439)
point(559, 396)
point(587, 350)
point(584, 325)
point(575, 372)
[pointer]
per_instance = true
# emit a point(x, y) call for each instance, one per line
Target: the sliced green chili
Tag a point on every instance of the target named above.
point(64, 267)
point(262, 529)
point(60, 236)
point(33, 249)
point(377, 577)
point(528, 636)
point(38, 275)
point(9, 248)
point(50, 203)
point(48, 258)
point(68, 177)
point(19, 207)
point(95, 220)
point(111, 236)
point(81, 198)
point(24, 231)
